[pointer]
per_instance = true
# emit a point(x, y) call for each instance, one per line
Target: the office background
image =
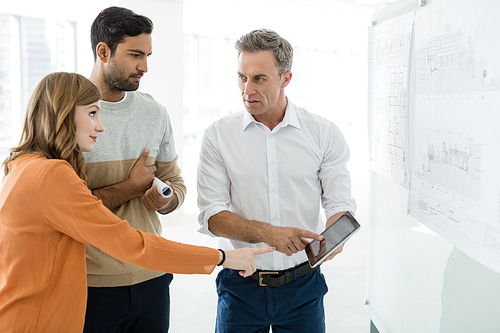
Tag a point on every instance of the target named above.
point(192, 72)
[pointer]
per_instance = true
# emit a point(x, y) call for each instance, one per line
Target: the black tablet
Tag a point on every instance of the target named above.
point(334, 236)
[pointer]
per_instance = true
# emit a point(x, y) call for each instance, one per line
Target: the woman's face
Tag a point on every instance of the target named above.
point(88, 125)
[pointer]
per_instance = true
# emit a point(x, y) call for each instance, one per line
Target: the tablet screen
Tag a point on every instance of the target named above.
point(334, 236)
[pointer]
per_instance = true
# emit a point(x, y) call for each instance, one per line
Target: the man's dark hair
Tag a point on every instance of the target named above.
point(114, 24)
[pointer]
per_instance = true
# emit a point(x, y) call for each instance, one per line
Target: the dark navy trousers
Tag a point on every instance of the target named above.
point(244, 306)
point(142, 307)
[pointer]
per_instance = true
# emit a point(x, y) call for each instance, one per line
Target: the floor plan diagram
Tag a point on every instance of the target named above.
point(454, 148)
point(389, 62)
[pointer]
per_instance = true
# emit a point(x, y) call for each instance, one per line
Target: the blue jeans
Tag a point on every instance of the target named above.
point(142, 307)
point(244, 306)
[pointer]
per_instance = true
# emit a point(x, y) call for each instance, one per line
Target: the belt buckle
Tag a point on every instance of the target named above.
point(262, 284)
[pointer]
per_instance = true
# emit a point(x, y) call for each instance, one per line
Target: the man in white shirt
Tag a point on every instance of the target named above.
point(262, 177)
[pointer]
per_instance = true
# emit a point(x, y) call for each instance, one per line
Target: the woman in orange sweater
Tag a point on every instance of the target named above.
point(47, 215)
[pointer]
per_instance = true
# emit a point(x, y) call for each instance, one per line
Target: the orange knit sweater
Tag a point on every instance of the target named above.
point(47, 214)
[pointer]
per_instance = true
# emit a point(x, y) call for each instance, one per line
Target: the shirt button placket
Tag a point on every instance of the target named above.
point(273, 188)
point(272, 171)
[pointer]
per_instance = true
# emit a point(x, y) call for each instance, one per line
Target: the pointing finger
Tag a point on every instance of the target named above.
point(310, 234)
point(261, 250)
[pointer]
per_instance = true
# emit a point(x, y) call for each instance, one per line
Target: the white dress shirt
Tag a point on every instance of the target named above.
point(280, 177)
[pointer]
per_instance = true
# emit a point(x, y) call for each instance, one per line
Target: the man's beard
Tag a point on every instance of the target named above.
point(117, 80)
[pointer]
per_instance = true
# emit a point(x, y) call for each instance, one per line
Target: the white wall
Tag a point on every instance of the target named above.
point(164, 80)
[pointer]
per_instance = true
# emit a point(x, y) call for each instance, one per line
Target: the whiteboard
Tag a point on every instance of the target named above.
point(418, 281)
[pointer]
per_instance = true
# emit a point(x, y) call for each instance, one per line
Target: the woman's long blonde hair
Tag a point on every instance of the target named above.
point(49, 125)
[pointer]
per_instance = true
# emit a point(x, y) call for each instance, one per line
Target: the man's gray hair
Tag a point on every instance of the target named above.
point(268, 40)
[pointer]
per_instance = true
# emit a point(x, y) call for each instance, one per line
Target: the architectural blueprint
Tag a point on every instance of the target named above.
point(454, 129)
point(389, 55)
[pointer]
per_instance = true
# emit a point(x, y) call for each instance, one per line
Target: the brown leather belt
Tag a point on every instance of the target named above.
point(279, 278)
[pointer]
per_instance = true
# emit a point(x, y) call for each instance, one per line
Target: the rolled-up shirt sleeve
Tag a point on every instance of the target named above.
point(282, 176)
point(334, 176)
point(213, 181)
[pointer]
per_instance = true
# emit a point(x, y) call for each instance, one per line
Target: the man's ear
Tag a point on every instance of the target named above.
point(287, 77)
point(103, 52)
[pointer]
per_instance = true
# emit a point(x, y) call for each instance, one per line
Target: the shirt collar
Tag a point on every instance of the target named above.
point(247, 119)
point(289, 119)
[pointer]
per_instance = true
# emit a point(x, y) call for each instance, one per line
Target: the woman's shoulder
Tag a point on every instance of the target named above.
point(40, 167)
point(41, 161)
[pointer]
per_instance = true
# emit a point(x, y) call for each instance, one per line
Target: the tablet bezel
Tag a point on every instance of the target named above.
point(314, 260)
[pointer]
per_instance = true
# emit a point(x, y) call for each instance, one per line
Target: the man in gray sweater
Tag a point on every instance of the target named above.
point(123, 297)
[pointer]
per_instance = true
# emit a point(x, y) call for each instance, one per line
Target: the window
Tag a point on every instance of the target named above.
point(30, 48)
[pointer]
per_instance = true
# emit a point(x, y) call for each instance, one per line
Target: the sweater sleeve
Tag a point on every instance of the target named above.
point(170, 171)
point(70, 208)
point(167, 168)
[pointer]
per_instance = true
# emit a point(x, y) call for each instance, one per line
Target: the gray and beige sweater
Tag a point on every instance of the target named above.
point(132, 124)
